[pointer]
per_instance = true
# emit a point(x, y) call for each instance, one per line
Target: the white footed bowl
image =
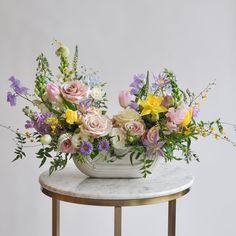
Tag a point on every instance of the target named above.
point(120, 168)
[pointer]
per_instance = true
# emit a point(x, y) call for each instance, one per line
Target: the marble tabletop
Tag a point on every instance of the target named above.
point(167, 180)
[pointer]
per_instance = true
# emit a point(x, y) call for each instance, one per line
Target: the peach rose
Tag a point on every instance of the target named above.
point(135, 128)
point(96, 125)
point(74, 91)
point(152, 135)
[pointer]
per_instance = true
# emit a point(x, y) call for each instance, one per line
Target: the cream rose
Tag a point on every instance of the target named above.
point(74, 91)
point(134, 128)
point(126, 116)
point(96, 125)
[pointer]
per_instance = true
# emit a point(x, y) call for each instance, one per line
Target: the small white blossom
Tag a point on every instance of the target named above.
point(96, 93)
point(46, 139)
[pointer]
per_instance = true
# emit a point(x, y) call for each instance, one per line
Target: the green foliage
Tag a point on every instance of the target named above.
point(59, 162)
point(142, 94)
point(43, 75)
point(75, 62)
point(147, 163)
point(64, 67)
point(43, 154)
point(146, 86)
point(20, 141)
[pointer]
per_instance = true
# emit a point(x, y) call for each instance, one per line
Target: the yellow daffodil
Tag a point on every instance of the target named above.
point(187, 118)
point(152, 105)
point(71, 116)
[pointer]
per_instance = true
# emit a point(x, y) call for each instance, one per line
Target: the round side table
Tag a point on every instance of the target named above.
point(70, 185)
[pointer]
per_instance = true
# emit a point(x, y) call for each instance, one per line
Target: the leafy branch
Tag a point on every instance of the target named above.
point(59, 162)
point(20, 141)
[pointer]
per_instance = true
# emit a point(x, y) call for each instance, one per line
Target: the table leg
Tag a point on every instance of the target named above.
point(55, 217)
point(117, 222)
point(171, 217)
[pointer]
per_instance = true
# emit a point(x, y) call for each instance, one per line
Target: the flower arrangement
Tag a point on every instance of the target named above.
point(68, 117)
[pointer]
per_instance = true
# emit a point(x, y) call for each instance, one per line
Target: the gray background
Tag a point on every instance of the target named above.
point(194, 38)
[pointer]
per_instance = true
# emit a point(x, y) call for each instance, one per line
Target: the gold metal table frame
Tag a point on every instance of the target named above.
point(117, 204)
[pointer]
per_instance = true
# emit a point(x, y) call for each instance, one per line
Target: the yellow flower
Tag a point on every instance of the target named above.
point(152, 105)
point(187, 118)
point(187, 131)
point(71, 116)
point(54, 123)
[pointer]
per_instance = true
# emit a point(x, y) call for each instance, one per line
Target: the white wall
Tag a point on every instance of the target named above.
point(194, 38)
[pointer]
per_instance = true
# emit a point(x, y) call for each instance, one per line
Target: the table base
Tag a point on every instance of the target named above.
point(117, 218)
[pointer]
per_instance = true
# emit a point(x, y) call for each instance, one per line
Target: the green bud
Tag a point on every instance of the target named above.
point(154, 118)
point(131, 139)
point(62, 51)
point(36, 91)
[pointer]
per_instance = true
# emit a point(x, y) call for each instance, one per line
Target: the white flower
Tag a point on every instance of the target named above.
point(77, 139)
point(46, 139)
point(96, 93)
point(118, 138)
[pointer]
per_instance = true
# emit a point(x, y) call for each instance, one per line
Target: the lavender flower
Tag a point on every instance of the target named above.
point(154, 148)
point(11, 98)
point(103, 145)
point(85, 104)
point(196, 110)
point(40, 124)
point(86, 148)
point(161, 81)
point(137, 84)
point(133, 105)
point(29, 124)
point(15, 85)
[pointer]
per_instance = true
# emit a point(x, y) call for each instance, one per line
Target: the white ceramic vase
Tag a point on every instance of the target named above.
point(119, 168)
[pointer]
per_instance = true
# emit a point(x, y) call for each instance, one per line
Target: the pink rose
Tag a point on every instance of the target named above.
point(65, 144)
point(177, 115)
point(124, 98)
point(74, 91)
point(152, 135)
point(135, 128)
point(172, 127)
point(96, 125)
point(53, 92)
point(167, 101)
